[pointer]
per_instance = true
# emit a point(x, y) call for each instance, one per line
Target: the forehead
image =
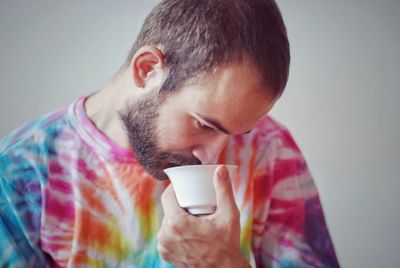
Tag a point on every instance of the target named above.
point(233, 94)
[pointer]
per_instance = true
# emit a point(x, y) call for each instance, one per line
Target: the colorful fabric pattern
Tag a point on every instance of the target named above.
point(70, 197)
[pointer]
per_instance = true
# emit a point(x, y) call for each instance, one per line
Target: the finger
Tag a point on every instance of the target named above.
point(169, 203)
point(223, 190)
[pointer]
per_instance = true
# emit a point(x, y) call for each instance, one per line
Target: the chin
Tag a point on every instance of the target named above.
point(158, 173)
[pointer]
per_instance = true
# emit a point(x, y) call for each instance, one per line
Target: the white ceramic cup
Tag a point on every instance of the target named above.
point(194, 187)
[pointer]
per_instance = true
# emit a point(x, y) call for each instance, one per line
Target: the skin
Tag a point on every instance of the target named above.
point(194, 122)
point(181, 233)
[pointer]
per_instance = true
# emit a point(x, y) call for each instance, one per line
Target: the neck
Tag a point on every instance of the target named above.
point(102, 107)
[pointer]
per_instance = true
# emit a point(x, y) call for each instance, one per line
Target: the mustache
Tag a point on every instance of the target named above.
point(175, 160)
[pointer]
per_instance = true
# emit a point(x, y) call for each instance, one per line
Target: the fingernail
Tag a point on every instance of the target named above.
point(222, 172)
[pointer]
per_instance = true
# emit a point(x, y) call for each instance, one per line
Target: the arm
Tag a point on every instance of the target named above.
point(18, 242)
point(292, 231)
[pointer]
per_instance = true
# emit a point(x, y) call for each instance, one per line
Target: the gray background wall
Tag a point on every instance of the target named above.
point(341, 102)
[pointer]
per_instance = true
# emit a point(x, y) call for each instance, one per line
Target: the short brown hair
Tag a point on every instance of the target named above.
point(198, 35)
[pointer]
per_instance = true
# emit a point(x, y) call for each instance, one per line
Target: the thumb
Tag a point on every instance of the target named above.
point(223, 190)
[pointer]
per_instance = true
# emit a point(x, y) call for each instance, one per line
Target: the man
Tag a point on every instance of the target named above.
point(85, 187)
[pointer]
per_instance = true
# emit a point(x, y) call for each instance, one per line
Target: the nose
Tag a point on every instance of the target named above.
point(208, 152)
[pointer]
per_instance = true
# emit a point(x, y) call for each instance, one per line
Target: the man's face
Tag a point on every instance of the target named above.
point(192, 125)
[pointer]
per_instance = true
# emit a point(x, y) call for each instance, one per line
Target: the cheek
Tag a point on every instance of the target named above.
point(176, 135)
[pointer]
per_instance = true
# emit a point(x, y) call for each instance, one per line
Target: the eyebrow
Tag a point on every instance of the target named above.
point(215, 123)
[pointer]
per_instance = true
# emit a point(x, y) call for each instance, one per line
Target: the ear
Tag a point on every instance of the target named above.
point(145, 60)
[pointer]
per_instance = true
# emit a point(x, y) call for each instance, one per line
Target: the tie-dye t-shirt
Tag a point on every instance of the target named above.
point(70, 197)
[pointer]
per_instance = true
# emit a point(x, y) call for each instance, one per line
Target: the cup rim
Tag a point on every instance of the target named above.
point(195, 166)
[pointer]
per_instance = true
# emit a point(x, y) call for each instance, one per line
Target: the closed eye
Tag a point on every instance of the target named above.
point(205, 127)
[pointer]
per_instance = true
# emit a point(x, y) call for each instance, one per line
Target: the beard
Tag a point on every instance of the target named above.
point(140, 123)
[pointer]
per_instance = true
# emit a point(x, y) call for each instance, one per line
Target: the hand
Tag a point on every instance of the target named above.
point(185, 240)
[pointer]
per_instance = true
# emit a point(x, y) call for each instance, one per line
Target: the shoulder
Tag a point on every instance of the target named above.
point(279, 158)
point(268, 144)
point(25, 152)
point(35, 130)
point(270, 131)
point(272, 141)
